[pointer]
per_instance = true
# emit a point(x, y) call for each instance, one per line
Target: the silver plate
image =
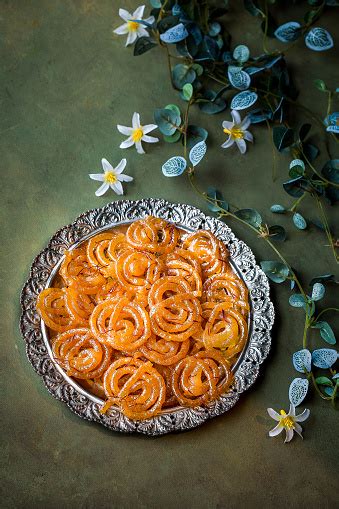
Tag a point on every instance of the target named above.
point(86, 405)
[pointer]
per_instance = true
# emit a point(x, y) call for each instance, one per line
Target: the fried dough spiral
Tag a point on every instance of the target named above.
point(148, 318)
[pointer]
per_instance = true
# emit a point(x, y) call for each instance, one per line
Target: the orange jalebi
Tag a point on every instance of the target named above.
point(148, 318)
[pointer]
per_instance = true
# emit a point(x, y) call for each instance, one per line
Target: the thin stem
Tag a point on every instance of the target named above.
point(334, 184)
point(311, 375)
point(169, 65)
point(329, 103)
point(327, 228)
point(325, 311)
point(265, 29)
point(274, 156)
point(306, 326)
point(296, 204)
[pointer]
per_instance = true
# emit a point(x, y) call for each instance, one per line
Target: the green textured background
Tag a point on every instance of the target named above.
point(65, 85)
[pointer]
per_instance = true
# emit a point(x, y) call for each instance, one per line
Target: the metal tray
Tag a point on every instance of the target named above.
point(86, 405)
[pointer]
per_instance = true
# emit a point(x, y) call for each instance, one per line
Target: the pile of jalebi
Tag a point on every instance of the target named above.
point(148, 317)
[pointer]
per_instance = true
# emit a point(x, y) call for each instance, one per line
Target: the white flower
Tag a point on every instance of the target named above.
point(137, 133)
point(111, 177)
point(131, 27)
point(288, 422)
point(236, 131)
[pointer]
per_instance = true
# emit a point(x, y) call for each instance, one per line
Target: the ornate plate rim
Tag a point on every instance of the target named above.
point(189, 217)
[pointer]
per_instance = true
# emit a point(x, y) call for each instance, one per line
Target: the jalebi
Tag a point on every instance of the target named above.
point(147, 318)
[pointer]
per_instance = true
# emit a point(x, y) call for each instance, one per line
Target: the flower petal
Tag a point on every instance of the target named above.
point(121, 166)
point(236, 116)
point(245, 123)
point(275, 431)
point(124, 178)
point(228, 143)
point(125, 130)
point(149, 139)
point(303, 416)
point(289, 435)
point(97, 176)
point(241, 144)
point(298, 429)
point(106, 166)
point(136, 120)
point(139, 148)
point(121, 30)
point(139, 12)
point(125, 15)
point(117, 188)
point(149, 127)
point(127, 143)
point(150, 20)
point(272, 413)
point(102, 189)
point(248, 136)
point(142, 32)
point(132, 36)
point(227, 125)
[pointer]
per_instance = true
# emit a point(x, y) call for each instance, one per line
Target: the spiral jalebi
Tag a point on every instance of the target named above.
point(148, 318)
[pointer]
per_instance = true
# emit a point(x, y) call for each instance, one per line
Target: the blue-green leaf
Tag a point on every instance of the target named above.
point(295, 187)
point(324, 357)
point(302, 360)
point(197, 153)
point(318, 291)
point(319, 39)
point(241, 53)
point(195, 134)
point(214, 29)
point(214, 104)
point(239, 79)
point(173, 138)
point(323, 380)
point(321, 85)
point(219, 204)
point(187, 91)
point(282, 137)
point(278, 209)
point(142, 45)
point(322, 279)
point(183, 74)
point(276, 271)
point(299, 221)
point(174, 166)
point(288, 31)
point(298, 390)
point(326, 332)
point(251, 216)
point(297, 300)
point(167, 121)
point(297, 168)
point(277, 232)
point(175, 34)
point(243, 100)
point(329, 391)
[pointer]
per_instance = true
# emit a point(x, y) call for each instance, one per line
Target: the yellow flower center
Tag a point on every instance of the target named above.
point(235, 132)
point(110, 177)
point(133, 26)
point(137, 135)
point(286, 420)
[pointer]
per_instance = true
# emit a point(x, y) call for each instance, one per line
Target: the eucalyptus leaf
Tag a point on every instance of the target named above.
point(329, 391)
point(302, 360)
point(142, 45)
point(326, 332)
point(282, 137)
point(219, 202)
point(252, 8)
point(277, 233)
point(174, 138)
point(297, 168)
point(241, 53)
point(259, 115)
point(321, 85)
point(195, 134)
point(299, 221)
point(239, 79)
point(298, 390)
point(318, 291)
point(319, 39)
point(324, 357)
point(250, 216)
point(288, 32)
point(311, 151)
point(167, 121)
point(197, 153)
point(213, 104)
point(295, 187)
point(323, 380)
point(303, 131)
point(297, 300)
point(187, 91)
point(278, 209)
point(183, 74)
point(331, 171)
point(174, 167)
point(322, 279)
point(175, 108)
point(276, 271)
point(214, 29)
point(243, 100)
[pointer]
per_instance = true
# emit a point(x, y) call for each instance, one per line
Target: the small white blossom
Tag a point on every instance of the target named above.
point(287, 422)
point(131, 27)
point(237, 132)
point(137, 133)
point(111, 177)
